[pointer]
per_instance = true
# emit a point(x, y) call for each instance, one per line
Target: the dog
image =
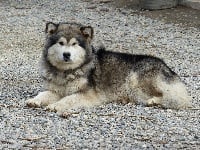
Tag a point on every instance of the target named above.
point(76, 75)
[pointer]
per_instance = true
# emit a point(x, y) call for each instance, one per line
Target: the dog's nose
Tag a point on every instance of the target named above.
point(66, 56)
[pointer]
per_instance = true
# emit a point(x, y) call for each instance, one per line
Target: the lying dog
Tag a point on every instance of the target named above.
point(76, 76)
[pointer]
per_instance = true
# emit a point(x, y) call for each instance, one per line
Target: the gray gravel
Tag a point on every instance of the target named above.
point(113, 126)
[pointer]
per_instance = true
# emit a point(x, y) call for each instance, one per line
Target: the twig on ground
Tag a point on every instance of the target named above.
point(32, 138)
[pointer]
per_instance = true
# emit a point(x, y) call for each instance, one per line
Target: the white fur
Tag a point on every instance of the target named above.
point(154, 101)
point(43, 99)
point(87, 99)
point(132, 85)
point(55, 54)
point(174, 94)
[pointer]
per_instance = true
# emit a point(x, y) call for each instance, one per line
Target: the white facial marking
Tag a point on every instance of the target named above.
point(76, 54)
point(62, 41)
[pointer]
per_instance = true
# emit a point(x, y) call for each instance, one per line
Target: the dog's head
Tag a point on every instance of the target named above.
point(68, 45)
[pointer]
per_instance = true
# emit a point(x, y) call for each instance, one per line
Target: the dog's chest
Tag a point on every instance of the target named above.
point(65, 86)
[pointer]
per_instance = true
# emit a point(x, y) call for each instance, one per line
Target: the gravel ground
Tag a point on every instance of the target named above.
point(112, 126)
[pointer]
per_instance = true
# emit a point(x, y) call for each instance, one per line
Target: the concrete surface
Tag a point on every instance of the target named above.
point(195, 4)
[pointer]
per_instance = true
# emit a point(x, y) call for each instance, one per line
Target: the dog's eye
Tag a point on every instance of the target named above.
point(61, 43)
point(73, 44)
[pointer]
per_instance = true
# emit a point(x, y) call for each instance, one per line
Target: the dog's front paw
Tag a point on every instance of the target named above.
point(56, 107)
point(33, 103)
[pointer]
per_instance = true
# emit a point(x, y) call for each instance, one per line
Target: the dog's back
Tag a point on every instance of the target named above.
point(139, 78)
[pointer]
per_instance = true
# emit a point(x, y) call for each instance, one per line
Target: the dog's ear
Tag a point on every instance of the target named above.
point(87, 31)
point(51, 28)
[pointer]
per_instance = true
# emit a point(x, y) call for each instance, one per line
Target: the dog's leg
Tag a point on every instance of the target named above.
point(78, 100)
point(154, 101)
point(175, 95)
point(43, 99)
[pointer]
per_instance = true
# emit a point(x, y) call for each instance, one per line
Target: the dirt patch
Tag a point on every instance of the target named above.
point(181, 15)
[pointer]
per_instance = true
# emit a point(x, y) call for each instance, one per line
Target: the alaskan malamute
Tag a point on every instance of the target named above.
point(75, 75)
